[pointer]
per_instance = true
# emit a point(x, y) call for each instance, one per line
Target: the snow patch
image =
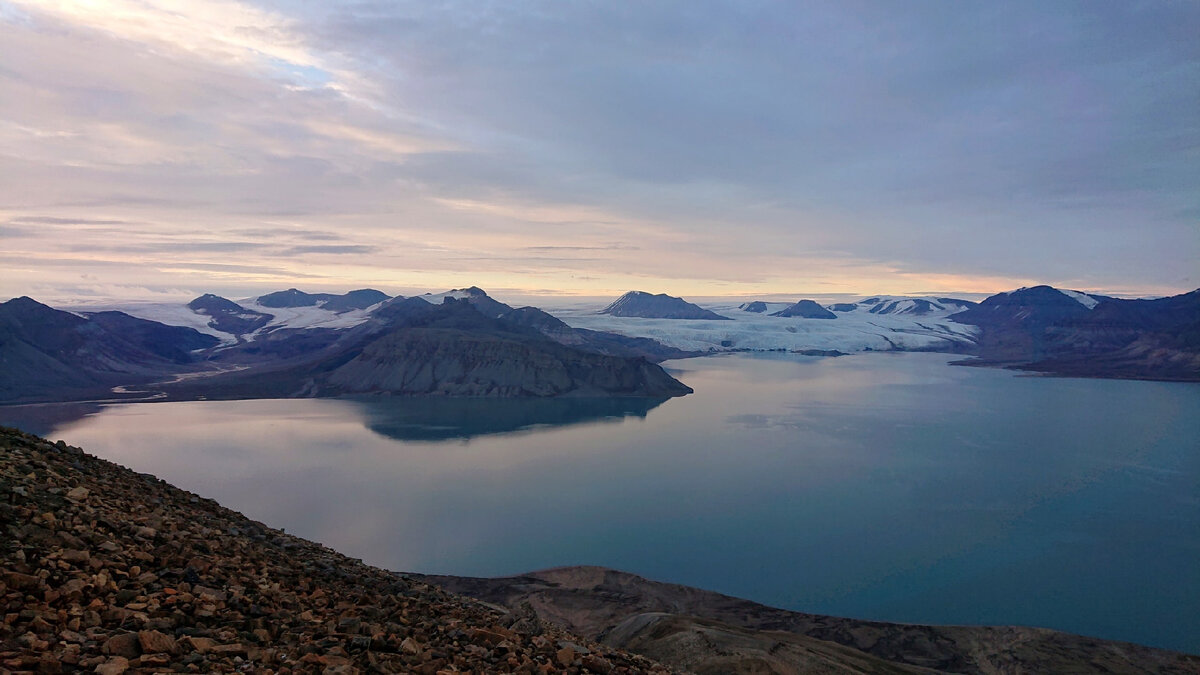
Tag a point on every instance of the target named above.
point(1082, 298)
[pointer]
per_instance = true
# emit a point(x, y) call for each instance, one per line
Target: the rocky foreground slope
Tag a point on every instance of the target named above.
point(109, 571)
point(709, 632)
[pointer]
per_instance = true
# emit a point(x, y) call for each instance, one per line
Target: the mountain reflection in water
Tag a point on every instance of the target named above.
point(444, 419)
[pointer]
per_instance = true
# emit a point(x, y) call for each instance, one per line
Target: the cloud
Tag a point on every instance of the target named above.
point(707, 147)
point(333, 249)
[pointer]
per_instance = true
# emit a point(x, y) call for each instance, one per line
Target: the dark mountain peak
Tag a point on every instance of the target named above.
point(758, 307)
point(290, 298)
point(483, 302)
point(357, 299)
point(535, 318)
point(23, 302)
point(1039, 305)
point(806, 309)
point(658, 306)
point(210, 303)
point(227, 316)
point(25, 307)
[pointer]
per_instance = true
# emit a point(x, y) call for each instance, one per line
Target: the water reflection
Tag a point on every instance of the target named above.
point(43, 418)
point(442, 419)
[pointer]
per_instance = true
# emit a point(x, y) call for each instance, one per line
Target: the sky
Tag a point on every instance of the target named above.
point(158, 149)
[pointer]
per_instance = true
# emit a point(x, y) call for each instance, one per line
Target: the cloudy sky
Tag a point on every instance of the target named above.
point(161, 148)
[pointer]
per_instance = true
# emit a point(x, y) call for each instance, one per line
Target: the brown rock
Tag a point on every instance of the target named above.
point(565, 656)
point(154, 642)
point(77, 494)
point(198, 644)
point(410, 646)
point(125, 644)
point(114, 666)
point(234, 649)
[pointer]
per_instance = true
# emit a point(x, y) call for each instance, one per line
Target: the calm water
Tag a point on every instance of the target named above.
point(884, 486)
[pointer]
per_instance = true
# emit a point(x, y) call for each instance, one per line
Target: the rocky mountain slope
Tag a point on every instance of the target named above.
point(660, 306)
point(1071, 333)
point(360, 299)
point(705, 631)
point(47, 354)
point(411, 347)
point(109, 571)
point(455, 350)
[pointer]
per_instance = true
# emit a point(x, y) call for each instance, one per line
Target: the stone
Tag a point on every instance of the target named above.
point(114, 666)
point(78, 494)
point(565, 656)
point(125, 644)
point(200, 645)
point(410, 646)
point(154, 642)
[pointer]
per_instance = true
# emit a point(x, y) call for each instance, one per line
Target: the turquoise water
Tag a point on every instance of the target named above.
point(881, 486)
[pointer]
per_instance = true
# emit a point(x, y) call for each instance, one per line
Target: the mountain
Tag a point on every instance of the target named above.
point(758, 306)
point(1072, 333)
point(360, 299)
point(228, 316)
point(48, 354)
point(1034, 306)
point(470, 345)
point(174, 343)
point(474, 295)
point(806, 309)
point(412, 347)
point(455, 350)
point(661, 306)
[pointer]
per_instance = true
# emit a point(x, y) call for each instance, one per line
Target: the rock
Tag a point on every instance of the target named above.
point(78, 494)
point(114, 666)
point(410, 646)
point(565, 656)
point(154, 642)
point(125, 644)
point(201, 645)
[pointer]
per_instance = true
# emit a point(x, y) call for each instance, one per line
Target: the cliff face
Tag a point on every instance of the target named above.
point(451, 362)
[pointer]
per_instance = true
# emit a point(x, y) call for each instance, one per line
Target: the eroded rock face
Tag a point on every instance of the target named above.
point(456, 364)
point(109, 571)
